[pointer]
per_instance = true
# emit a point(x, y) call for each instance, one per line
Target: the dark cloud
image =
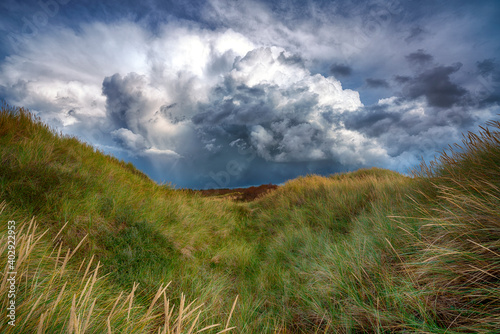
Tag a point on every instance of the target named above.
point(488, 92)
point(374, 121)
point(168, 111)
point(376, 83)
point(291, 60)
point(416, 34)
point(247, 105)
point(486, 66)
point(124, 99)
point(419, 58)
point(430, 112)
point(436, 85)
point(401, 79)
point(403, 127)
point(340, 70)
point(252, 114)
point(18, 91)
point(221, 63)
point(274, 118)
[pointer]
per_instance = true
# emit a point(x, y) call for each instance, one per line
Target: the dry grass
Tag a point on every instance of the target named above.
point(53, 297)
point(460, 237)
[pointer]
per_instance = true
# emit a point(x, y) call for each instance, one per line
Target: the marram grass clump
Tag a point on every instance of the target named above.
point(460, 236)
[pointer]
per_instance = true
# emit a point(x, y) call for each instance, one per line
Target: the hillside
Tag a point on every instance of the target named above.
point(98, 242)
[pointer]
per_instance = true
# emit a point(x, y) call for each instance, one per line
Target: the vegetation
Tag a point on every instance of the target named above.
point(103, 249)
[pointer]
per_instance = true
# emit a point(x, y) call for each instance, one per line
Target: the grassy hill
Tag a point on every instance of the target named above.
point(100, 248)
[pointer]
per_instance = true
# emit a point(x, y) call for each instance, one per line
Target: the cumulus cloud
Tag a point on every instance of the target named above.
point(167, 153)
point(263, 98)
point(276, 105)
point(488, 77)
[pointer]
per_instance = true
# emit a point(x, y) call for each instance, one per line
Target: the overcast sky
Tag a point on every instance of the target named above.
point(215, 93)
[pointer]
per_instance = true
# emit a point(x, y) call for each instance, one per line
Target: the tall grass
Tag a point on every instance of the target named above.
point(55, 296)
point(367, 251)
point(460, 241)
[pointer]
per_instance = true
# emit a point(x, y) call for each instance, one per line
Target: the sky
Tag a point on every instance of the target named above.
point(210, 94)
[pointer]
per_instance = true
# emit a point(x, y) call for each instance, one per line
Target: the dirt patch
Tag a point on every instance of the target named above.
point(238, 194)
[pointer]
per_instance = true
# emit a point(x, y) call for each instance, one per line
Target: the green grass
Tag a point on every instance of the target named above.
point(367, 251)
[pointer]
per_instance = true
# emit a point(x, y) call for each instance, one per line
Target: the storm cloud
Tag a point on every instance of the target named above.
point(376, 83)
point(430, 110)
point(340, 70)
point(419, 58)
point(410, 127)
point(436, 86)
point(277, 107)
point(486, 66)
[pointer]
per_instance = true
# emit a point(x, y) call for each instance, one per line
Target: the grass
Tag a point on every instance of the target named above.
point(101, 248)
point(54, 296)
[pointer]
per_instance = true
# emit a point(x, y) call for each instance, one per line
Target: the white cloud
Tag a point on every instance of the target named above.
point(133, 141)
point(156, 151)
point(261, 140)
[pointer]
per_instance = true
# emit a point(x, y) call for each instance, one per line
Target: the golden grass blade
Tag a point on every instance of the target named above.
point(207, 328)
point(114, 305)
point(188, 314)
point(87, 269)
point(160, 291)
point(56, 262)
point(181, 311)
point(65, 262)
point(32, 309)
point(78, 246)
point(89, 314)
point(40, 324)
point(81, 264)
point(94, 279)
point(58, 299)
point(485, 248)
point(108, 324)
point(82, 293)
point(60, 231)
point(166, 304)
point(73, 320)
point(231, 313)
point(131, 298)
point(195, 321)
